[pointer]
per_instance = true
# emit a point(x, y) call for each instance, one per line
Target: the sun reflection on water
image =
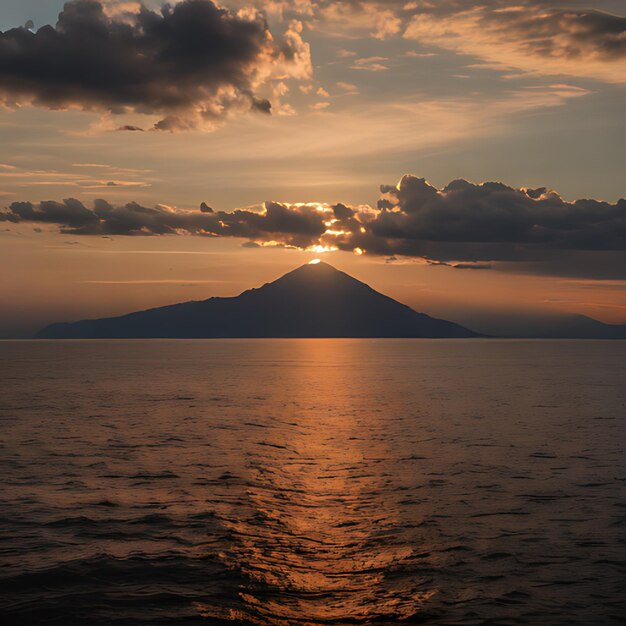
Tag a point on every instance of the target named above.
point(318, 537)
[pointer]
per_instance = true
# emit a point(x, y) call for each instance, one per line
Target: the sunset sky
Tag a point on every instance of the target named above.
point(466, 158)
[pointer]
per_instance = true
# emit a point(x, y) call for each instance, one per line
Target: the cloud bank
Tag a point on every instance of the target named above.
point(190, 64)
point(539, 37)
point(465, 225)
point(533, 37)
point(296, 226)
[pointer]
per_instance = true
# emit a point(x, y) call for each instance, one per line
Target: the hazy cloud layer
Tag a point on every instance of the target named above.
point(190, 64)
point(460, 225)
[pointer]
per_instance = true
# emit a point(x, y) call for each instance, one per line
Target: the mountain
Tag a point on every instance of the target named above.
point(540, 325)
point(572, 327)
point(315, 300)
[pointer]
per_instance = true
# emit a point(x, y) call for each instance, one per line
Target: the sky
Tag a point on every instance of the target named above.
point(463, 157)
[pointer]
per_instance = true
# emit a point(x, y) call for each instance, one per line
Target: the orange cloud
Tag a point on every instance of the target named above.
point(530, 38)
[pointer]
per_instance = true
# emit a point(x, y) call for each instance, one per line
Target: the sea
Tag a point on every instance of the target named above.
point(311, 482)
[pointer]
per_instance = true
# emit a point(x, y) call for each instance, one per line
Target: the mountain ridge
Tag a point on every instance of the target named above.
point(572, 326)
point(313, 300)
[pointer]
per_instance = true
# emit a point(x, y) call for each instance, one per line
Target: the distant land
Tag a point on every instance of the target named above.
point(315, 300)
point(548, 326)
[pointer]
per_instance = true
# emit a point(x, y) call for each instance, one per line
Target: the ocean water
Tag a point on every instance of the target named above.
point(313, 482)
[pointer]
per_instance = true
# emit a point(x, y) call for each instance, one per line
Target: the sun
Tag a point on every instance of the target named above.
point(314, 261)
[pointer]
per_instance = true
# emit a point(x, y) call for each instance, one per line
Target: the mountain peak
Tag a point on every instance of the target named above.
point(315, 269)
point(315, 281)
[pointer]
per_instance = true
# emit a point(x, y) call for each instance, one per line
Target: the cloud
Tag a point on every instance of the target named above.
point(371, 64)
point(117, 177)
point(546, 37)
point(297, 225)
point(349, 89)
point(490, 221)
point(541, 37)
point(378, 19)
point(533, 37)
point(464, 225)
point(472, 266)
point(130, 127)
point(190, 64)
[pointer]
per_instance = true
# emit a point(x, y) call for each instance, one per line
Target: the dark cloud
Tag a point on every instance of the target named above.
point(570, 33)
point(472, 266)
point(70, 213)
point(299, 226)
point(130, 127)
point(341, 211)
point(191, 63)
point(262, 105)
point(463, 225)
point(416, 215)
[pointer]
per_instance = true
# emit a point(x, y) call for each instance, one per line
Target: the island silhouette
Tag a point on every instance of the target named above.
point(314, 300)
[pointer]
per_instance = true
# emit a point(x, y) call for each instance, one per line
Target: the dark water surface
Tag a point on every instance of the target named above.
point(313, 482)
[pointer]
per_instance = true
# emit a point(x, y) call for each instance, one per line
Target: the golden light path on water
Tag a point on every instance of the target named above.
point(322, 530)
